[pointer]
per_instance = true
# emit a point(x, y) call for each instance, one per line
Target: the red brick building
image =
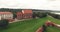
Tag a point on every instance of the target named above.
point(19, 15)
point(24, 14)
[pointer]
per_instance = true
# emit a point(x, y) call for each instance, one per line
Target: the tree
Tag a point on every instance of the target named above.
point(34, 15)
point(14, 15)
point(41, 14)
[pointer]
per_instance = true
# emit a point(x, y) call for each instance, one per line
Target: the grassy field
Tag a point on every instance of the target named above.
point(53, 29)
point(31, 25)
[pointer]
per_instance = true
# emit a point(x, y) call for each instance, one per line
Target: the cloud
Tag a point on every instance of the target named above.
point(31, 4)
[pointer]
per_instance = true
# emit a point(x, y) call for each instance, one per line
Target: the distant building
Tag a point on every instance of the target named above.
point(27, 13)
point(19, 15)
point(24, 14)
point(6, 15)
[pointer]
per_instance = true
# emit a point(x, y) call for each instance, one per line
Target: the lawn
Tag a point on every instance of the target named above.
point(53, 29)
point(31, 25)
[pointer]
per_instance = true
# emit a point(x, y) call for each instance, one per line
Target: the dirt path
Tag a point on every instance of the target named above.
point(18, 20)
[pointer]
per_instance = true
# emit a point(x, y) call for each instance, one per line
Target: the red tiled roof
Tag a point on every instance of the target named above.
point(27, 11)
point(5, 13)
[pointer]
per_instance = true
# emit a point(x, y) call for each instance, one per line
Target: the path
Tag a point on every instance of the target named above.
point(18, 20)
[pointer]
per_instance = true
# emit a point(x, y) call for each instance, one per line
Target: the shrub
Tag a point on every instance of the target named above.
point(4, 23)
point(44, 28)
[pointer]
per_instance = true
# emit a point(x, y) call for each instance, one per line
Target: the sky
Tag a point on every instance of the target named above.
point(31, 4)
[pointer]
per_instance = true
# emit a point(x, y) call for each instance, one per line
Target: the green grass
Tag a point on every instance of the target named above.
point(53, 29)
point(25, 26)
point(31, 25)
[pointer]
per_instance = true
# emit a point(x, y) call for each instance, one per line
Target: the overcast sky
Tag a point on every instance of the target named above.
point(31, 4)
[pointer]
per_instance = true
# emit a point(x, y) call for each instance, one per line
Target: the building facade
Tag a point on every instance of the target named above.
point(27, 13)
point(6, 15)
point(19, 15)
point(24, 14)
